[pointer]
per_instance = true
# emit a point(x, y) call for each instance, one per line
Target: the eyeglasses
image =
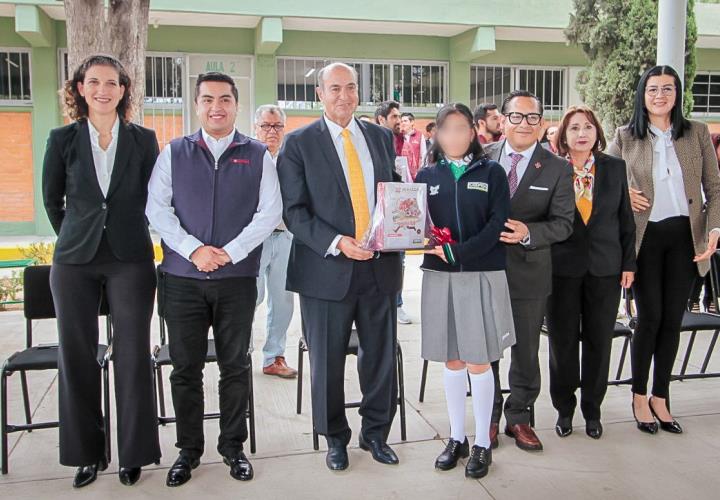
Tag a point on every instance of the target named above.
point(532, 119)
point(665, 90)
point(278, 127)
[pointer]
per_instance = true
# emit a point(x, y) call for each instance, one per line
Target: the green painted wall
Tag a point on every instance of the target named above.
point(46, 116)
point(708, 59)
point(8, 37)
point(363, 46)
point(534, 53)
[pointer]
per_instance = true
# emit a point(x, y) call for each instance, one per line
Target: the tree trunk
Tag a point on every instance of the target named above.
point(123, 35)
point(127, 25)
point(85, 22)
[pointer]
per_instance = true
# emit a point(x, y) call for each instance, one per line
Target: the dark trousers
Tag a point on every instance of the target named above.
point(130, 288)
point(191, 307)
point(581, 309)
point(327, 326)
point(662, 285)
point(524, 374)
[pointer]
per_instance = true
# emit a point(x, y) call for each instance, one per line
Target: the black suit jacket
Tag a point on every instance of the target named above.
point(606, 246)
point(545, 202)
point(76, 207)
point(317, 207)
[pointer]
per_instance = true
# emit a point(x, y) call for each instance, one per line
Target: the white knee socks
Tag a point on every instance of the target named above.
point(483, 392)
point(455, 393)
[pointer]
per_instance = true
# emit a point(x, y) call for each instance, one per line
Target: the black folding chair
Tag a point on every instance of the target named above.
point(693, 323)
point(352, 349)
point(161, 357)
point(38, 304)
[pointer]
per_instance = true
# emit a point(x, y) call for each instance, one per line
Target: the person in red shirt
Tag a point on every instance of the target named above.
point(488, 123)
point(414, 146)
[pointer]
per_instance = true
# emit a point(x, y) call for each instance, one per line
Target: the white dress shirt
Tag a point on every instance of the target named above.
point(104, 159)
point(363, 152)
point(274, 157)
point(670, 200)
point(506, 161)
point(161, 213)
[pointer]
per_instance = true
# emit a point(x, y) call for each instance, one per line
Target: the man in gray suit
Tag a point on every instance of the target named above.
point(541, 213)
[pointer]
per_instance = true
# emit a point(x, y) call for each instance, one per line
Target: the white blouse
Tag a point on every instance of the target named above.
point(670, 199)
point(104, 159)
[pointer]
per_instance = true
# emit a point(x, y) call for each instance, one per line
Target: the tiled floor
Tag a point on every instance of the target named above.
point(623, 464)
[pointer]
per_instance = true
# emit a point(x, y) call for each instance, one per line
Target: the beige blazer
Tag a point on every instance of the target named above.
point(700, 173)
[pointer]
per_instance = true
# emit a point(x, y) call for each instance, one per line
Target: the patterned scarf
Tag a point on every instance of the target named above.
point(584, 181)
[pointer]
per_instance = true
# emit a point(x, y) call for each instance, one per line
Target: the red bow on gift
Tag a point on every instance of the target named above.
point(440, 236)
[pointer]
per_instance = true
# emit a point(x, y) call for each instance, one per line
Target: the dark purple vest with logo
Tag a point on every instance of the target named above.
point(215, 201)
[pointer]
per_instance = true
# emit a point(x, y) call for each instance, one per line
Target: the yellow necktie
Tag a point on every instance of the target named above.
point(358, 195)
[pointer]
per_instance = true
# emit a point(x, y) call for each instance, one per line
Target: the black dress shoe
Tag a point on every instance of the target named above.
point(563, 427)
point(337, 458)
point(240, 467)
point(181, 471)
point(648, 427)
point(380, 451)
point(454, 450)
point(479, 463)
point(129, 475)
point(594, 429)
point(88, 473)
point(672, 426)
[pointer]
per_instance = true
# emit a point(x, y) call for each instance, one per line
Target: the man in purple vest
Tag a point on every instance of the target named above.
point(213, 198)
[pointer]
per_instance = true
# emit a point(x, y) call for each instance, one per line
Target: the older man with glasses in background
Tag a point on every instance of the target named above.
point(270, 130)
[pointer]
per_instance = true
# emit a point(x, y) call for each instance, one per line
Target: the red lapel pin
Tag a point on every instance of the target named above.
point(538, 164)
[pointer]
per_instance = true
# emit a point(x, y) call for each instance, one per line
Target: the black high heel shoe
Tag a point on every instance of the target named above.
point(672, 426)
point(88, 473)
point(649, 427)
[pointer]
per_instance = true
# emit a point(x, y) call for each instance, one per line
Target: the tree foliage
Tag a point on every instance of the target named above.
point(619, 38)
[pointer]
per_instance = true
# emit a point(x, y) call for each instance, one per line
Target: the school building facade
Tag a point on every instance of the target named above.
point(421, 53)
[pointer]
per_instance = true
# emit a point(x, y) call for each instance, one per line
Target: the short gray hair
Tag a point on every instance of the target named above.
point(332, 66)
point(269, 108)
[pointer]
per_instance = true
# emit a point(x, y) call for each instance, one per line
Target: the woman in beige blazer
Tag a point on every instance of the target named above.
point(671, 164)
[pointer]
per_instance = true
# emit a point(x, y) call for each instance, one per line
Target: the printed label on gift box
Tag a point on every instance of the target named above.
point(478, 186)
point(400, 219)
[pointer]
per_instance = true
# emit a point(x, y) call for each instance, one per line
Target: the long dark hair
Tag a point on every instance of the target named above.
point(638, 125)
point(436, 153)
point(76, 106)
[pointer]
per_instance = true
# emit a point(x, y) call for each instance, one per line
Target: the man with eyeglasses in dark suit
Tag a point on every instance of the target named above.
point(541, 213)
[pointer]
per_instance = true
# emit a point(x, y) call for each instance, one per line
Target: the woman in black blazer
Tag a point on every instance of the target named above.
point(95, 177)
point(588, 270)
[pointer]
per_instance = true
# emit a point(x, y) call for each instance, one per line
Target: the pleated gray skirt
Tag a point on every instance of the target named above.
point(466, 316)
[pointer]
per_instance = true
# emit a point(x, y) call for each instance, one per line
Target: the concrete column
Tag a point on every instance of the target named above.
point(672, 21)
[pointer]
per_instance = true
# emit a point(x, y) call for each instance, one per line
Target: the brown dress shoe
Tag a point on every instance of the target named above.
point(494, 430)
point(525, 437)
point(280, 369)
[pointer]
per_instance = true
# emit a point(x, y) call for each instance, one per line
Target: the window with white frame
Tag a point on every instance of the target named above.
point(163, 80)
point(706, 93)
point(15, 85)
point(416, 86)
point(489, 84)
point(493, 83)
